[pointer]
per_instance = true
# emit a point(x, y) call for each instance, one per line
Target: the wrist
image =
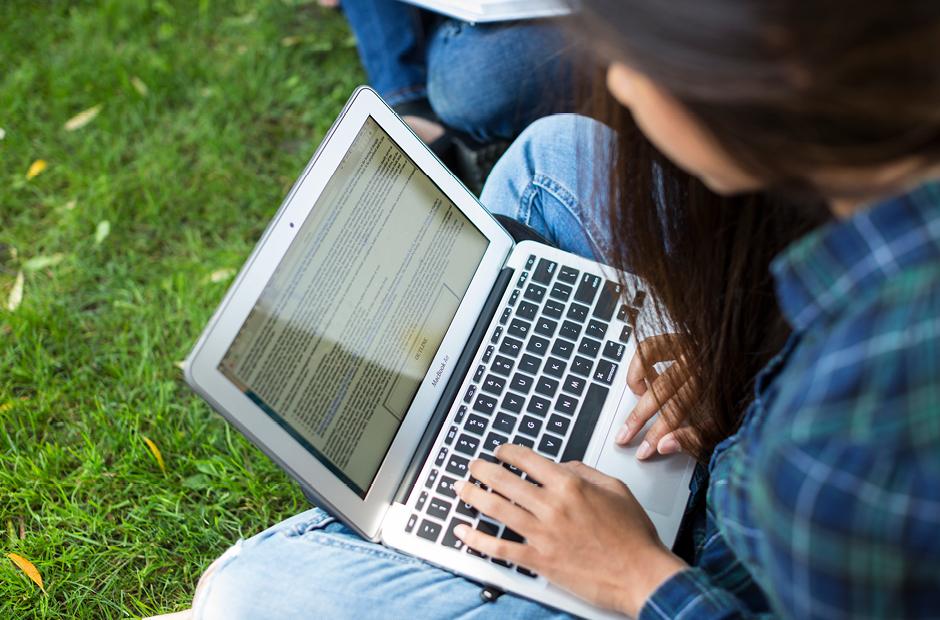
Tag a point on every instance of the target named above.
point(654, 567)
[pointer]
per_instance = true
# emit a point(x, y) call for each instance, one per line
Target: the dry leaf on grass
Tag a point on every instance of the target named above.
point(36, 168)
point(139, 86)
point(220, 275)
point(82, 118)
point(155, 451)
point(102, 231)
point(41, 262)
point(16, 293)
point(27, 567)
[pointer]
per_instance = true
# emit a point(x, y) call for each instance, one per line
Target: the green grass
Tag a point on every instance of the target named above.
point(187, 171)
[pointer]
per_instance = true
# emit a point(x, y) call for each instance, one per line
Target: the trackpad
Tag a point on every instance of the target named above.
point(655, 482)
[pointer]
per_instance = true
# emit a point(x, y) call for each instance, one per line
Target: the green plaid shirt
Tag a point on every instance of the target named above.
point(826, 503)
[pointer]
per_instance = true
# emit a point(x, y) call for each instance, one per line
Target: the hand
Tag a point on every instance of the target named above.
point(672, 391)
point(584, 531)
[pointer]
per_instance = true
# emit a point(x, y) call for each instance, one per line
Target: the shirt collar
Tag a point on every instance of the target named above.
point(820, 273)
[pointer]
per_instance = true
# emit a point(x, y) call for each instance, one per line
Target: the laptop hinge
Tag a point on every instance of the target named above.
point(461, 368)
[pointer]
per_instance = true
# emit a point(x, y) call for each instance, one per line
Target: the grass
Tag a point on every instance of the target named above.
point(209, 109)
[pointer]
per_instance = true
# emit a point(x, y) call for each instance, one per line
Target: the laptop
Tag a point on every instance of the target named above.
point(386, 330)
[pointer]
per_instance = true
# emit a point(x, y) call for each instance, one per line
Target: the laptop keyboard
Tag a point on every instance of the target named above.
point(541, 382)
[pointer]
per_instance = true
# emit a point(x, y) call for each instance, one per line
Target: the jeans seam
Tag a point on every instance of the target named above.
point(366, 548)
point(569, 201)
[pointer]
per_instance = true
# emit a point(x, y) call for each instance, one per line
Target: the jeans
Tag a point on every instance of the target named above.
point(311, 565)
point(488, 80)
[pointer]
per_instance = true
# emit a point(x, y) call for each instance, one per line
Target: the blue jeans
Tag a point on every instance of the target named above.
point(311, 565)
point(488, 80)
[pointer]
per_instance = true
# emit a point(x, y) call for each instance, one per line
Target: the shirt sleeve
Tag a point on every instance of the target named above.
point(690, 594)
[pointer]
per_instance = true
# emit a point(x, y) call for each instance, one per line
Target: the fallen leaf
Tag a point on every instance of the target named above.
point(102, 231)
point(27, 567)
point(82, 118)
point(156, 453)
point(220, 275)
point(16, 293)
point(36, 168)
point(139, 86)
point(41, 262)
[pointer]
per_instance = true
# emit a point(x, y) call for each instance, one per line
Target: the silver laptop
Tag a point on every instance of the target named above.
point(386, 330)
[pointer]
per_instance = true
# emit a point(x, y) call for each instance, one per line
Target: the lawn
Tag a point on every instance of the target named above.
point(198, 116)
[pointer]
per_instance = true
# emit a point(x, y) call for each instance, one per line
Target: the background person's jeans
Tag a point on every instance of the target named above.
point(488, 80)
point(312, 566)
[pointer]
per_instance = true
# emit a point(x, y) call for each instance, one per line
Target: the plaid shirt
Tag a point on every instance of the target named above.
point(826, 503)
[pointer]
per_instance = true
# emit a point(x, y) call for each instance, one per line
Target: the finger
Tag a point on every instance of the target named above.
point(535, 465)
point(495, 506)
point(668, 384)
point(517, 553)
point(651, 351)
point(592, 475)
point(509, 485)
point(673, 413)
point(671, 443)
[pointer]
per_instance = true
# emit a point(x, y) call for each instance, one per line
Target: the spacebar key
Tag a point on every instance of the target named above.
point(585, 422)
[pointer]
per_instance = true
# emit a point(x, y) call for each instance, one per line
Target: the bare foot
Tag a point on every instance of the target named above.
point(429, 131)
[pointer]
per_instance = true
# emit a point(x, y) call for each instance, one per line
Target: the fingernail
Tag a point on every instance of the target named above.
point(622, 435)
point(644, 450)
point(460, 531)
point(459, 485)
point(668, 445)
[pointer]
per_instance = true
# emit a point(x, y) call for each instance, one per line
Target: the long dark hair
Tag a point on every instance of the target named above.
point(787, 88)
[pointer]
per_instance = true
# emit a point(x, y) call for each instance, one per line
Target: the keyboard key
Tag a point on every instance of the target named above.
point(422, 499)
point(411, 523)
point(458, 466)
point(519, 328)
point(505, 316)
point(439, 509)
point(445, 487)
point(607, 302)
point(487, 527)
point(511, 536)
point(429, 530)
point(589, 346)
point(550, 445)
point(488, 354)
point(467, 444)
point(522, 441)
point(639, 299)
point(574, 385)
point(522, 278)
point(546, 327)
point(530, 261)
point(501, 562)
point(471, 390)
point(544, 272)
point(504, 423)
point(568, 274)
point(476, 424)
point(555, 367)
point(459, 416)
point(493, 441)
point(553, 309)
point(521, 383)
point(497, 333)
point(538, 345)
point(432, 479)
point(582, 366)
point(478, 373)
point(451, 434)
point(502, 365)
point(535, 293)
point(563, 348)
point(527, 311)
point(622, 313)
point(525, 571)
point(546, 386)
point(596, 329)
point(587, 289)
point(538, 406)
point(489, 458)
point(510, 346)
point(485, 404)
point(566, 404)
point(512, 402)
point(578, 312)
point(626, 333)
point(605, 372)
point(558, 424)
point(570, 330)
point(467, 510)
point(560, 291)
point(530, 426)
point(614, 350)
point(530, 364)
point(441, 456)
point(493, 384)
point(585, 422)
point(514, 297)
point(450, 539)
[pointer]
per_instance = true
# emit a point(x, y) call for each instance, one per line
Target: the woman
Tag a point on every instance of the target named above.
point(825, 500)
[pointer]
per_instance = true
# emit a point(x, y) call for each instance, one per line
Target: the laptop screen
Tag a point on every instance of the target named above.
point(342, 335)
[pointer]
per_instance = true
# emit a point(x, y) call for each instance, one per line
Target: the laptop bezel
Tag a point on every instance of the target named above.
point(201, 370)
